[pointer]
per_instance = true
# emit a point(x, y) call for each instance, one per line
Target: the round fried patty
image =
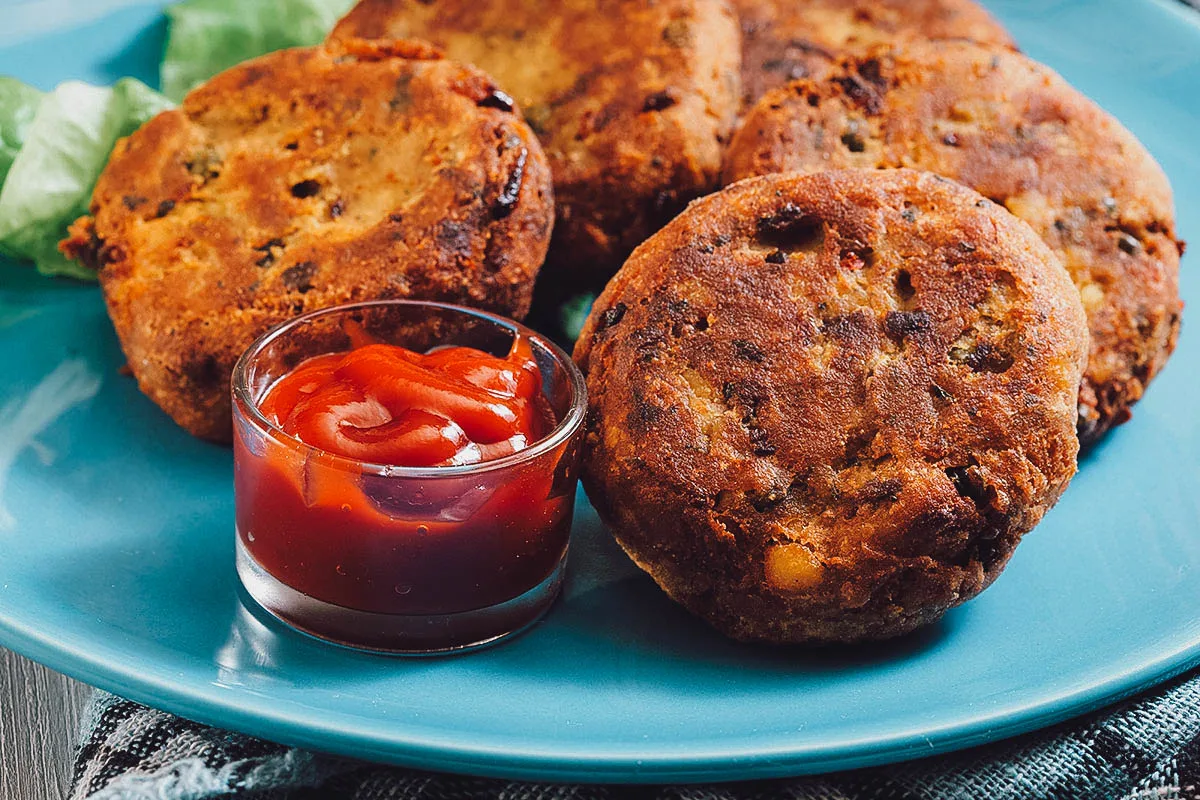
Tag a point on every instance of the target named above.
point(827, 407)
point(632, 101)
point(783, 40)
point(1019, 134)
point(300, 180)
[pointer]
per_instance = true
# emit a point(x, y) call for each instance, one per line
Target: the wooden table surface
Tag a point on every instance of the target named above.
point(39, 718)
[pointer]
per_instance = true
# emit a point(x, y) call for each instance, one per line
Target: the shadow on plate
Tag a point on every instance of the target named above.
point(610, 606)
point(611, 616)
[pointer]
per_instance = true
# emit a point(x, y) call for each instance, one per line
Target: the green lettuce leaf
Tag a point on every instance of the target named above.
point(66, 145)
point(208, 36)
point(18, 103)
point(574, 312)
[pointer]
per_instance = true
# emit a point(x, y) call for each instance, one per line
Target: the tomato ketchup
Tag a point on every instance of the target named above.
point(385, 404)
point(332, 508)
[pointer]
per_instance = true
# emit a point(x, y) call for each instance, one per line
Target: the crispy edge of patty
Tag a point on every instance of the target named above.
point(186, 300)
point(1063, 164)
point(695, 454)
point(638, 132)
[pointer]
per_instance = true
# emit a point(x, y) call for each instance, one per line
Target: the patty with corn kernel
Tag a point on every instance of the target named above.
point(300, 180)
point(783, 40)
point(1016, 132)
point(632, 101)
point(827, 407)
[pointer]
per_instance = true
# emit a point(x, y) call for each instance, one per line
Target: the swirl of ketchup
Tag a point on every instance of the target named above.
point(385, 404)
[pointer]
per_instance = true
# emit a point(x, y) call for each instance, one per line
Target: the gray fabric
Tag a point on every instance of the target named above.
point(1143, 749)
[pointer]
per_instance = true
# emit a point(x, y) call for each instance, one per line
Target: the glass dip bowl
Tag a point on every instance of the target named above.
point(392, 558)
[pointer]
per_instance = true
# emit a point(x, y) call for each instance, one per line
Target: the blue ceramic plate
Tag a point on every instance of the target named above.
point(116, 537)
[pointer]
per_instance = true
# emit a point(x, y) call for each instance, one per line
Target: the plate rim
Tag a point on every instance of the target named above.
point(254, 715)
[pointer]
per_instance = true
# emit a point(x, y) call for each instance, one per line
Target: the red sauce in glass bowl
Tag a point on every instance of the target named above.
point(371, 540)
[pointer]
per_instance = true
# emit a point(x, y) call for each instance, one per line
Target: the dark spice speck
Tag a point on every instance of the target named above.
point(268, 257)
point(854, 143)
point(660, 101)
point(762, 446)
point(612, 316)
point(496, 99)
point(298, 278)
point(901, 324)
point(863, 94)
point(305, 189)
point(1128, 243)
point(747, 351)
point(510, 193)
point(790, 227)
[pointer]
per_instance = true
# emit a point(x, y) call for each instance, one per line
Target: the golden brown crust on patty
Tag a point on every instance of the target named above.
point(632, 101)
point(827, 407)
point(1019, 134)
point(300, 180)
point(783, 40)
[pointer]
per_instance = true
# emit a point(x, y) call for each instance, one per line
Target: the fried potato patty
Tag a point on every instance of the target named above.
point(783, 40)
point(632, 101)
point(1019, 134)
point(304, 179)
point(827, 407)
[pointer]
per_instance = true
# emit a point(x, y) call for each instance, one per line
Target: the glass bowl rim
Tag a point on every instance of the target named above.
point(244, 403)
